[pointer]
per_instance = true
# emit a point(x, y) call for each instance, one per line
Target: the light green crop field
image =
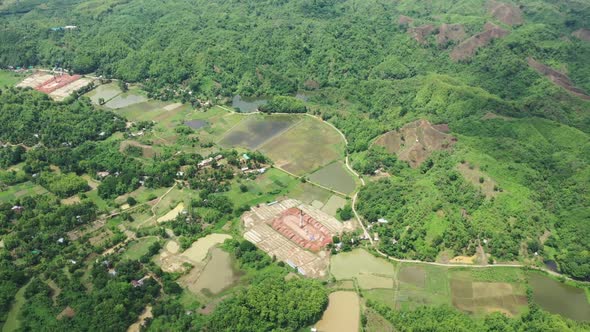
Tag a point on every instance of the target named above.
point(139, 248)
point(21, 190)
point(335, 176)
point(8, 78)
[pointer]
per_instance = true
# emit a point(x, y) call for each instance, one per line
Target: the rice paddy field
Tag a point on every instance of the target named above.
point(475, 291)
point(335, 176)
point(21, 190)
point(105, 91)
point(307, 146)
point(126, 99)
point(252, 132)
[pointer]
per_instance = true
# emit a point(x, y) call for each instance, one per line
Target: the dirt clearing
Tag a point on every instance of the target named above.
point(415, 142)
point(468, 48)
point(479, 179)
point(506, 13)
point(557, 77)
point(172, 214)
point(450, 32)
point(582, 34)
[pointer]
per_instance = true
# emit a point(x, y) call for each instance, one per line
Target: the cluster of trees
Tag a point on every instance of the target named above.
point(30, 117)
point(284, 104)
point(271, 304)
point(445, 318)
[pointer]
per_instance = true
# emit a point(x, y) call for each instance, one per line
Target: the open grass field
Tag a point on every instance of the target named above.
point(264, 188)
point(336, 177)
point(12, 322)
point(308, 193)
point(139, 248)
point(305, 147)
point(21, 190)
point(256, 130)
point(9, 78)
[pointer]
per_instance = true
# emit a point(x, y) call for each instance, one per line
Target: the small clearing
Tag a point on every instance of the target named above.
point(450, 33)
point(558, 78)
point(147, 151)
point(415, 141)
point(172, 107)
point(506, 13)
point(146, 314)
point(421, 33)
point(468, 47)
point(405, 20)
point(479, 179)
point(582, 34)
point(172, 214)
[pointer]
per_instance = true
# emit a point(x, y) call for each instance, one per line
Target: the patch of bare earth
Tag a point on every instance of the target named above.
point(450, 33)
point(421, 33)
point(474, 175)
point(416, 141)
point(492, 116)
point(582, 34)
point(557, 77)
point(468, 47)
point(506, 13)
point(405, 20)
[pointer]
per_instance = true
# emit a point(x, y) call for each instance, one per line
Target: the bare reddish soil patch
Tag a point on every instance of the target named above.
point(416, 141)
point(420, 33)
point(450, 32)
point(468, 47)
point(582, 34)
point(557, 77)
point(405, 20)
point(57, 82)
point(505, 13)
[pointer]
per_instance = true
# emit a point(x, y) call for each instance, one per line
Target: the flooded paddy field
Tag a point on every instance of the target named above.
point(559, 298)
point(342, 314)
point(105, 91)
point(126, 99)
point(335, 176)
point(256, 130)
point(305, 147)
point(348, 265)
point(196, 124)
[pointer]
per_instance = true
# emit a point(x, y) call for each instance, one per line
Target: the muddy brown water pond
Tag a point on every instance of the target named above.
point(342, 314)
point(559, 298)
point(218, 274)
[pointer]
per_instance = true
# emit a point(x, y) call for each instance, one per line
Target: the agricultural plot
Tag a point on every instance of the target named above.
point(9, 78)
point(21, 190)
point(139, 248)
point(308, 194)
point(172, 260)
point(422, 285)
point(335, 176)
point(349, 265)
point(254, 131)
point(126, 99)
point(305, 147)
point(473, 292)
point(264, 188)
point(105, 92)
point(333, 204)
